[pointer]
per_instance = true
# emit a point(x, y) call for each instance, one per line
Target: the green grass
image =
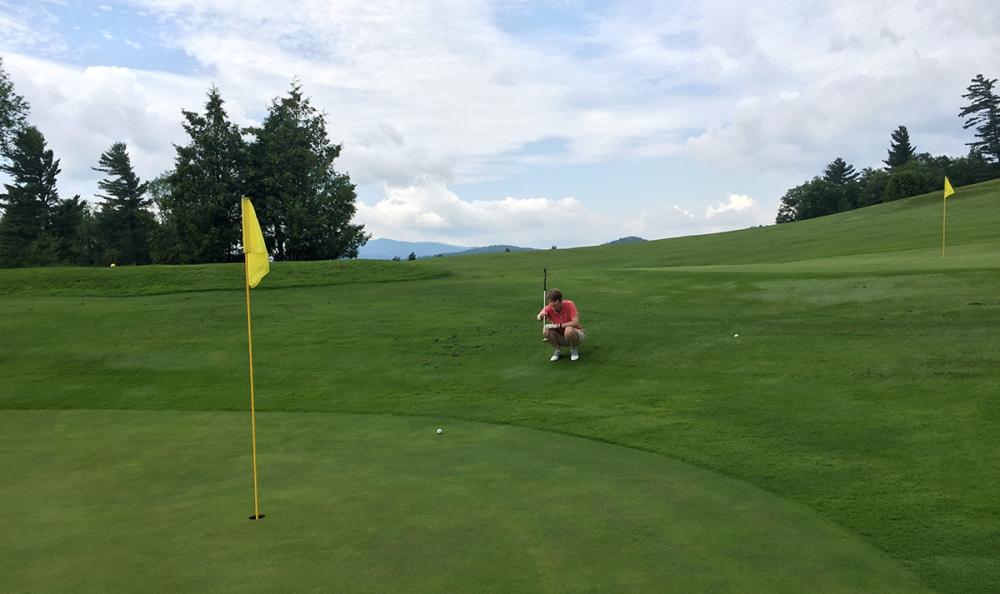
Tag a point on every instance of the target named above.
point(373, 503)
point(168, 280)
point(862, 386)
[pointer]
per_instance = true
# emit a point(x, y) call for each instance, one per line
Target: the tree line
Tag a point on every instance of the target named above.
point(906, 172)
point(191, 213)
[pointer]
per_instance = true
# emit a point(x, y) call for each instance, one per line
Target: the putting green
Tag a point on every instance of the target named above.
point(158, 501)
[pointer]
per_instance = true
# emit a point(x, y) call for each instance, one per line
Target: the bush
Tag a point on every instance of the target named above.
point(873, 183)
point(911, 179)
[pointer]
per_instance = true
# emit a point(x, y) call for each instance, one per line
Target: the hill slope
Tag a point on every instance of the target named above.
point(387, 249)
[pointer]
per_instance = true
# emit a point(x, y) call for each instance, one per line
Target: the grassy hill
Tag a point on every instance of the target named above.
point(861, 388)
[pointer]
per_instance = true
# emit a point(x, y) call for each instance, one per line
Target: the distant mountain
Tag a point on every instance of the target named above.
point(491, 249)
point(387, 249)
point(629, 239)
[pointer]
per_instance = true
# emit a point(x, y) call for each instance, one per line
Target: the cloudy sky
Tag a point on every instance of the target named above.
point(530, 123)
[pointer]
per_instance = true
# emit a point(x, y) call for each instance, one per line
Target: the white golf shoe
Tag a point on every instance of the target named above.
point(555, 356)
point(574, 355)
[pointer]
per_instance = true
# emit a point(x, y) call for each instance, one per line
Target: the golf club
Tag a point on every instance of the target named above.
point(545, 296)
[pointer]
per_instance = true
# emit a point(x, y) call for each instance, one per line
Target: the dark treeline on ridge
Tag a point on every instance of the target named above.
point(191, 213)
point(906, 172)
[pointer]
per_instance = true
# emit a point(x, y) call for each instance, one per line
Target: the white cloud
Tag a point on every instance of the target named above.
point(432, 64)
point(736, 203)
point(739, 211)
point(430, 95)
point(29, 27)
point(683, 211)
point(429, 211)
point(82, 112)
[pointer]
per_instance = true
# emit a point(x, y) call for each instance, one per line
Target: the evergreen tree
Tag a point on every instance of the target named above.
point(75, 231)
point(13, 112)
point(124, 221)
point(843, 176)
point(306, 207)
point(412, 256)
point(839, 173)
point(971, 169)
point(165, 242)
point(900, 149)
point(202, 204)
point(983, 112)
point(26, 234)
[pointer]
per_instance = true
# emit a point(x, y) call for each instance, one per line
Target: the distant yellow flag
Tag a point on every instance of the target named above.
point(948, 190)
point(253, 245)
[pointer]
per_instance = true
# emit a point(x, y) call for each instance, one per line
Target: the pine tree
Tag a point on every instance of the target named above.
point(306, 207)
point(13, 112)
point(983, 113)
point(201, 206)
point(840, 173)
point(165, 243)
point(900, 149)
point(74, 228)
point(124, 221)
point(26, 234)
point(971, 169)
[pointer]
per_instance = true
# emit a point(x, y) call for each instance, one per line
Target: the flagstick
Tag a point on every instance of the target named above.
point(253, 420)
point(944, 222)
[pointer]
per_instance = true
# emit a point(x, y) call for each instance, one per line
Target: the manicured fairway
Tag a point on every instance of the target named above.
point(156, 501)
point(860, 394)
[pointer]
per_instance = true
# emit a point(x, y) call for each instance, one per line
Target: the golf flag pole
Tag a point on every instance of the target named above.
point(948, 191)
point(255, 266)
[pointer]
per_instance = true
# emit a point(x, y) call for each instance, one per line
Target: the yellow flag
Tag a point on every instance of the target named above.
point(253, 245)
point(948, 190)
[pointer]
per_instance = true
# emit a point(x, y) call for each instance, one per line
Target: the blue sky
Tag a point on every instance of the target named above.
point(527, 123)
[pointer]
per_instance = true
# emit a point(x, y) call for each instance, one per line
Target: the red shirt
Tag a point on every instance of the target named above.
point(566, 315)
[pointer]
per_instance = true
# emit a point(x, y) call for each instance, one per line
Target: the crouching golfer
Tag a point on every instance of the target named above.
point(564, 327)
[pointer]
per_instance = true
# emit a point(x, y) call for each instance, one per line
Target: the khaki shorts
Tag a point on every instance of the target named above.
point(563, 341)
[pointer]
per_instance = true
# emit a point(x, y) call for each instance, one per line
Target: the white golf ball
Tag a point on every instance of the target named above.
point(736, 335)
point(440, 431)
